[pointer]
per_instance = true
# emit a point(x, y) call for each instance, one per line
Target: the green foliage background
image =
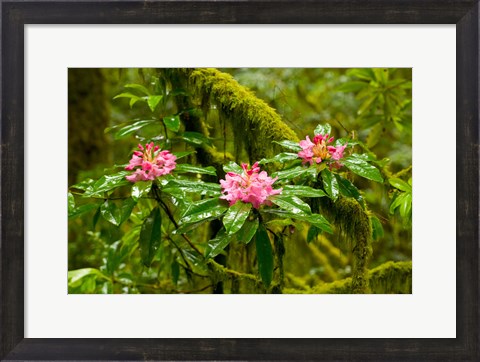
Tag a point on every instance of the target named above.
point(369, 106)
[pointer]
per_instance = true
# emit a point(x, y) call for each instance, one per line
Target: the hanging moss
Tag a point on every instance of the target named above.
point(354, 224)
point(388, 278)
point(255, 123)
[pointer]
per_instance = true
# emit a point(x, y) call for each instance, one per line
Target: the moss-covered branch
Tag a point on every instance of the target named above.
point(254, 122)
point(388, 278)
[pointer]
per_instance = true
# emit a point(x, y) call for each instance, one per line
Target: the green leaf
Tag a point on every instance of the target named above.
point(199, 187)
point(150, 236)
point(354, 86)
point(139, 88)
point(302, 191)
point(183, 154)
point(313, 233)
point(107, 183)
point(375, 135)
point(125, 131)
point(185, 167)
point(75, 276)
point(248, 230)
point(362, 73)
point(153, 102)
point(117, 215)
point(235, 216)
point(172, 123)
point(71, 202)
point(175, 270)
point(281, 157)
point(362, 168)
point(292, 204)
point(80, 210)
point(315, 219)
point(216, 245)
point(348, 189)
point(291, 145)
point(195, 138)
point(85, 185)
point(141, 188)
point(126, 95)
point(203, 210)
point(406, 206)
point(377, 228)
point(291, 173)
point(323, 129)
point(330, 184)
point(365, 105)
point(264, 255)
point(232, 167)
point(400, 184)
point(200, 206)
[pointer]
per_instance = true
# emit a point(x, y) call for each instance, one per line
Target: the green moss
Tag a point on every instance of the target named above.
point(391, 277)
point(388, 278)
point(355, 226)
point(254, 122)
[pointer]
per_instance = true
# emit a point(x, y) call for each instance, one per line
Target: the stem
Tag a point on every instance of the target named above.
point(170, 216)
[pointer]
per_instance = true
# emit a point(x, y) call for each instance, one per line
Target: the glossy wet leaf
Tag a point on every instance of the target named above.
point(131, 128)
point(195, 138)
point(180, 155)
point(291, 145)
point(200, 206)
point(281, 158)
point(264, 255)
point(323, 129)
point(312, 233)
point(294, 172)
point(186, 168)
point(400, 184)
point(349, 190)
point(235, 216)
point(85, 185)
point(205, 211)
point(232, 167)
point(172, 123)
point(302, 191)
point(377, 228)
point(75, 276)
point(291, 204)
point(216, 245)
point(115, 214)
point(153, 102)
point(362, 168)
point(314, 219)
point(330, 184)
point(82, 209)
point(141, 188)
point(199, 187)
point(150, 236)
point(248, 230)
point(108, 183)
point(139, 88)
point(71, 202)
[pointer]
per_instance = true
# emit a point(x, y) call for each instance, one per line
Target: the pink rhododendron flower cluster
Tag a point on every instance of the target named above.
point(150, 163)
point(251, 186)
point(319, 150)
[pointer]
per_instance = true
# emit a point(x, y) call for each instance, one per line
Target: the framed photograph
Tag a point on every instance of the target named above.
point(296, 157)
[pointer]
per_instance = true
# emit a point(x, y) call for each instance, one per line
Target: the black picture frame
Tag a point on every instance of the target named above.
point(15, 14)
